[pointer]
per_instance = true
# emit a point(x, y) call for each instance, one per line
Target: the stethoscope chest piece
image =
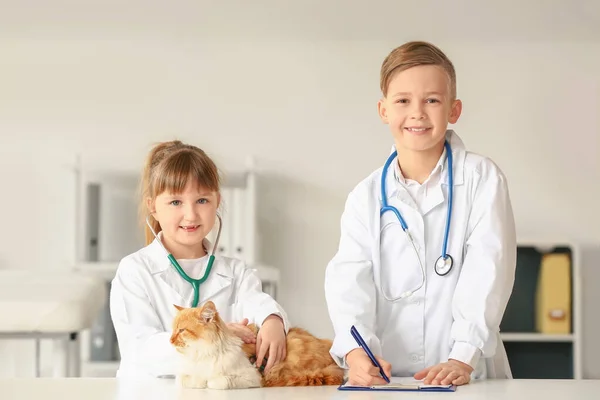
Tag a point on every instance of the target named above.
point(443, 265)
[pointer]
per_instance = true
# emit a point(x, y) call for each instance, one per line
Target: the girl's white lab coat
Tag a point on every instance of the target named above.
point(145, 289)
point(453, 316)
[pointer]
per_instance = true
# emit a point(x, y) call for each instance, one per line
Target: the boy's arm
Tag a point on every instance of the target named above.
point(488, 270)
point(140, 333)
point(349, 286)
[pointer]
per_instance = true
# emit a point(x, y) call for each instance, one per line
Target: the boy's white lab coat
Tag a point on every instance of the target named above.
point(145, 289)
point(457, 315)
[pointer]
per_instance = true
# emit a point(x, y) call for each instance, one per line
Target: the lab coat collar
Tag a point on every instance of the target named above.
point(459, 154)
point(221, 275)
point(158, 261)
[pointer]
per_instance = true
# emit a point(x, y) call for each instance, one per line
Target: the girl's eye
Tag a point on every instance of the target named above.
point(175, 202)
point(203, 201)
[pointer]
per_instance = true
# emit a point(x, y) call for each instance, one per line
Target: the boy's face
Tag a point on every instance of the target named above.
point(418, 108)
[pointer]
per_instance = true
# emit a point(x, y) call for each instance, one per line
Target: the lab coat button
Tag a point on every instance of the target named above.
point(414, 358)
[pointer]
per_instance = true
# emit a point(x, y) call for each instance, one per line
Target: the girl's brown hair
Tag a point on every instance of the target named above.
point(168, 167)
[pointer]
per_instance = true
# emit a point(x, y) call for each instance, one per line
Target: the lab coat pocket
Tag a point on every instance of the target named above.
point(400, 270)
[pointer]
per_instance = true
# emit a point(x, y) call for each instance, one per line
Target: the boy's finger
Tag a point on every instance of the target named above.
point(449, 378)
point(432, 374)
point(440, 376)
point(422, 373)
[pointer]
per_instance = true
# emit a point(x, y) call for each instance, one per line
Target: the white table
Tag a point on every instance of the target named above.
point(122, 389)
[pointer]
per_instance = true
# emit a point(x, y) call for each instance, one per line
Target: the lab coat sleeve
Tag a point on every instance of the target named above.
point(349, 285)
point(488, 271)
point(257, 305)
point(141, 336)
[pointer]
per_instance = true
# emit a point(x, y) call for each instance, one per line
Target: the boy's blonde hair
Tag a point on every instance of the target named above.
point(413, 54)
point(168, 168)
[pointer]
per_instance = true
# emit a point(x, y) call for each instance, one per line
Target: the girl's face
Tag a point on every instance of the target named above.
point(186, 218)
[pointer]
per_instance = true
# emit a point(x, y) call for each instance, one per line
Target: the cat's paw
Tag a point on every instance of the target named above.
point(192, 382)
point(218, 382)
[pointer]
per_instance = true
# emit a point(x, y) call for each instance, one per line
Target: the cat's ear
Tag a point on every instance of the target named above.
point(208, 312)
point(179, 308)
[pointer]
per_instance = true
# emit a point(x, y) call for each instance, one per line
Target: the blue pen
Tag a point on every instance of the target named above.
point(361, 343)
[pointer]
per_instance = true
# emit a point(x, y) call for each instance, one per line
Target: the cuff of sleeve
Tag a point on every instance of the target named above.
point(260, 319)
point(465, 352)
point(343, 344)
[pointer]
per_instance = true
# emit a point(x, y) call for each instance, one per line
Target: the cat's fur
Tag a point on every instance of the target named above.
point(215, 357)
point(307, 363)
point(211, 354)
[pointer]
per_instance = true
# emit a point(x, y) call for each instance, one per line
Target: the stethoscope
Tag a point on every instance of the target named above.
point(444, 263)
point(194, 282)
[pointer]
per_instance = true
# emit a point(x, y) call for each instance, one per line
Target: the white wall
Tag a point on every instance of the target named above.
point(299, 93)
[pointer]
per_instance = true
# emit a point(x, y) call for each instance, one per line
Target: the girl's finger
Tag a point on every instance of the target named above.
point(272, 356)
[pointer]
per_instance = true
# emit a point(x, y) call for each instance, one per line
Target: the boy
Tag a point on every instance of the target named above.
point(435, 318)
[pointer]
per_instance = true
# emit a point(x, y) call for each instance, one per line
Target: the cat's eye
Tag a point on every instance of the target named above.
point(181, 330)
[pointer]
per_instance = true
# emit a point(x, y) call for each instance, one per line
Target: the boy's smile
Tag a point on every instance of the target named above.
point(418, 108)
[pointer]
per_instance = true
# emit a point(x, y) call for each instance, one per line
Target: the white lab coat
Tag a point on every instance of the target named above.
point(457, 315)
point(145, 289)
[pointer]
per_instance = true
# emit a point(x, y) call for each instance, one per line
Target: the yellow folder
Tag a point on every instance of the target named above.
point(553, 297)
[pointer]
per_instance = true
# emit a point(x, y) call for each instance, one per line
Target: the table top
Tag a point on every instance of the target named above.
point(124, 389)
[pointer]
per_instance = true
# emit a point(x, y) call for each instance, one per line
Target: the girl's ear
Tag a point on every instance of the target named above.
point(150, 206)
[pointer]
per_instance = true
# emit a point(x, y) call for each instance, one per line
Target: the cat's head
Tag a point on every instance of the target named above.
point(197, 326)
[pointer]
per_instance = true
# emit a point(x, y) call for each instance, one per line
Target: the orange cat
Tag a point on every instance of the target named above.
point(210, 350)
point(212, 356)
point(307, 362)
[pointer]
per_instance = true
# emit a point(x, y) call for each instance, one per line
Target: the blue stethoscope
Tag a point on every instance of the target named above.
point(444, 263)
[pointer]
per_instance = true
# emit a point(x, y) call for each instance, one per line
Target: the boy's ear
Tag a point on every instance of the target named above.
point(382, 110)
point(455, 111)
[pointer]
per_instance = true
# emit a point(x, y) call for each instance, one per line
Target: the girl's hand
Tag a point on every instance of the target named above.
point(271, 342)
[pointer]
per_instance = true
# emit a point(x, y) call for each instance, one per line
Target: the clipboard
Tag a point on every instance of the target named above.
point(400, 384)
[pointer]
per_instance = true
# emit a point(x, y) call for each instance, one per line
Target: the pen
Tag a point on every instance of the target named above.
point(361, 343)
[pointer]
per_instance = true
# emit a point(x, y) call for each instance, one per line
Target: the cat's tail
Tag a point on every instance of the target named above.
point(331, 375)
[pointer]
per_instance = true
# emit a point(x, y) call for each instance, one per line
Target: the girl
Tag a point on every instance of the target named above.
point(427, 254)
point(180, 191)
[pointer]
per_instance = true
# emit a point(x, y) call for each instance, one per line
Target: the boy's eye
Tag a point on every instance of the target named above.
point(175, 202)
point(433, 101)
point(402, 101)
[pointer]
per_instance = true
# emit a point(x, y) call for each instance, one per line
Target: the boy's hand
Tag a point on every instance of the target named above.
point(362, 371)
point(271, 342)
point(450, 372)
point(242, 331)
